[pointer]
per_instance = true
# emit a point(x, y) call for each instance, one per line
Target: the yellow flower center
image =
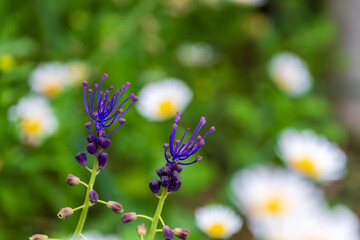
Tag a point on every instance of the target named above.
point(167, 108)
point(31, 126)
point(217, 230)
point(281, 81)
point(52, 88)
point(7, 62)
point(306, 166)
point(272, 205)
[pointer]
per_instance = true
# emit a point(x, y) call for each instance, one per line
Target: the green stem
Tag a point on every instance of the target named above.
point(85, 209)
point(144, 216)
point(157, 214)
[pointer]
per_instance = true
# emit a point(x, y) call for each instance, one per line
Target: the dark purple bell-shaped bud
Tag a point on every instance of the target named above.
point(155, 186)
point(174, 186)
point(103, 158)
point(104, 142)
point(165, 181)
point(175, 175)
point(168, 233)
point(93, 196)
point(81, 158)
point(92, 148)
point(90, 139)
point(178, 168)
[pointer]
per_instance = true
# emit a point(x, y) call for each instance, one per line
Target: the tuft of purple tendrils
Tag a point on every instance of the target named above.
point(103, 110)
point(179, 151)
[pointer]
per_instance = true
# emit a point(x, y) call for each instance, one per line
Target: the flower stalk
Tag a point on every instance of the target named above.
point(157, 216)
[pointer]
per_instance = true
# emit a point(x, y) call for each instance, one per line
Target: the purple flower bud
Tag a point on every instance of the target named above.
point(105, 75)
point(120, 111)
point(168, 233)
point(81, 158)
point(199, 158)
point(92, 148)
point(155, 186)
point(104, 142)
point(135, 98)
point(166, 170)
point(65, 213)
point(88, 125)
point(202, 142)
point(93, 197)
point(96, 85)
point(131, 95)
point(182, 233)
point(175, 175)
point(85, 84)
point(178, 168)
point(174, 186)
point(127, 84)
point(39, 237)
point(202, 120)
point(101, 133)
point(165, 181)
point(90, 139)
point(128, 217)
point(115, 207)
point(122, 121)
point(212, 129)
point(166, 146)
point(72, 180)
point(90, 91)
point(141, 230)
point(103, 158)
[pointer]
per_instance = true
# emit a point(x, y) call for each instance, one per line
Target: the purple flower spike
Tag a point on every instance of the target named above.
point(180, 151)
point(105, 110)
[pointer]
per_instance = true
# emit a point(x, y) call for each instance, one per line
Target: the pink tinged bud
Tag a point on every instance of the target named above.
point(182, 233)
point(198, 137)
point(115, 207)
point(135, 98)
point(168, 155)
point(131, 95)
point(65, 213)
point(102, 133)
point(141, 230)
point(85, 84)
point(90, 91)
point(175, 126)
point(199, 158)
point(39, 237)
point(168, 233)
point(93, 197)
point(105, 75)
point(111, 87)
point(212, 129)
point(202, 120)
point(127, 84)
point(128, 217)
point(120, 111)
point(202, 142)
point(122, 121)
point(72, 180)
point(107, 92)
point(88, 125)
point(178, 114)
point(177, 142)
point(96, 85)
point(95, 114)
point(166, 146)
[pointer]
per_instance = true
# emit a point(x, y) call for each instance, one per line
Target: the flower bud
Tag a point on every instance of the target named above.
point(168, 233)
point(85, 84)
point(65, 213)
point(90, 139)
point(174, 186)
point(39, 237)
point(141, 230)
point(88, 125)
point(155, 186)
point(103, 158)
point(92, 148)
point(165, 181)
point(72, 180)
point(104, 142)
point(199, 158)
point(175, 175)
point(81, 158)
point(181, 233)
point(93, 197)
point(128, 217)
point(115, 207)
point(178, 168)
point(212, 129)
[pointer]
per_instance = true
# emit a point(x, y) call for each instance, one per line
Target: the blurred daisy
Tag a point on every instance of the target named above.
point(34, 118)
point(78, 72)
point(263, 193)
point(339, 223)
point(254, 3)
point(290, 74)
point(218, 221)
point(312, 155)
point(195, 54)
point(161, 100)
point(49, 79)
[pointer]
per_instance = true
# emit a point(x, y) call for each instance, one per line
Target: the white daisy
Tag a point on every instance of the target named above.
point(78, 72)
point(312, 155)
point(254, 3)
point(161, 100)
point(273, 193)
point(290, 74)
point(49, 79)
point(34, 118)
point(324, 224)
point(195, 54)
point(218, 221)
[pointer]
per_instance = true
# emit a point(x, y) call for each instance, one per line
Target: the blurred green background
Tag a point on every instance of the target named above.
point(136, 41)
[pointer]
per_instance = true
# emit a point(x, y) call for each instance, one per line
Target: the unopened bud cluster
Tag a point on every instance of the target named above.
point(169, 178)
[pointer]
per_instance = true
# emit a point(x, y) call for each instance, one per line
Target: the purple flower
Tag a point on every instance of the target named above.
point(180, 151)
point(103, 110)
point(93, 196)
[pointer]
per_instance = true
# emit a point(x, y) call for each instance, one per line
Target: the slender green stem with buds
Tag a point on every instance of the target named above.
point(157, 214)
point(86, 205)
